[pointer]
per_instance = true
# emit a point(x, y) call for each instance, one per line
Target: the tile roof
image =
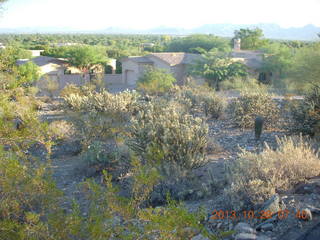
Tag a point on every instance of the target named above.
point(175, 58)
point(252, 59)
point(171, 58)
point(43, 60)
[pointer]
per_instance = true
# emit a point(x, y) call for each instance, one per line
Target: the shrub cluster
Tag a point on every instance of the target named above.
point(200, 98)
point(100, 115)
point(174, 137)
point(255, 177)
point(306, 113)
point(248, 106)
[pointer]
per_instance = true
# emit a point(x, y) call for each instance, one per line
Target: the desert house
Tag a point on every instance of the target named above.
point(174, 62)
point(60, 70)
point(252, 59)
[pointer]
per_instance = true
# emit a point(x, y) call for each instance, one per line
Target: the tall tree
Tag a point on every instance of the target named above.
point(216, 67)
point(85, 57)
point(251, 39)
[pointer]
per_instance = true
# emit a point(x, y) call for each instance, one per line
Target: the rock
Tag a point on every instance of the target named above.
point(18, 123)
point(244, 228)
point(263, 237)
point(190, 231)
point(245, 236)
point(267, 227)
point(313, 209)
point(271, 220)
point(199, 237)
point(70, 148)
point(272, 205)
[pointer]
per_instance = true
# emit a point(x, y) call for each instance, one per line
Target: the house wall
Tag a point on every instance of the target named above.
point(76, 79)
point(180, 73)
point(130, 72)
point(52, 69)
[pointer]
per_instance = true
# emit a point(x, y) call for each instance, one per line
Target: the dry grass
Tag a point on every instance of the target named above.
point(255, 177)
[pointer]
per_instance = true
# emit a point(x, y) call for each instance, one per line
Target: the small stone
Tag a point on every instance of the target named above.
point(219, 225)
point(199, 237)
point(263, 237)
point(272, 204)
point(244, 228)
point(245, 236)
point(267, 227)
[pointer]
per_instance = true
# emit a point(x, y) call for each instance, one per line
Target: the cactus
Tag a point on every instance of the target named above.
point(258, 124)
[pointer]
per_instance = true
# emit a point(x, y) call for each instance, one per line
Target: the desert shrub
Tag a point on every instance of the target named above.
point(170, 222)
point(249, 105)
point(255, 177)
point(112, 157)
point(160, 129)
point(19, 123)
point(156, 81)
point(70, 89)
point(27, 195)
point(100, 115)
point(61, 130)
point(199, 99)
point(248, 84)
point(306, 113)
point(213, 106)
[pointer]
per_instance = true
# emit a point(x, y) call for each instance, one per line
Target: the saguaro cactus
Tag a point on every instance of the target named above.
point(258, 124)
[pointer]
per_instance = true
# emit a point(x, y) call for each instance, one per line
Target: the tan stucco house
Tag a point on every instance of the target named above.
point(174, 62)
point(252, 59)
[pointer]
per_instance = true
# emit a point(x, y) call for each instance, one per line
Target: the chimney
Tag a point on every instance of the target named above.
point(113, 64)
point(237, 44)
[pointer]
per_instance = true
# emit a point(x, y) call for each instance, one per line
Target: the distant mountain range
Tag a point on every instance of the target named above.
point(274, 31)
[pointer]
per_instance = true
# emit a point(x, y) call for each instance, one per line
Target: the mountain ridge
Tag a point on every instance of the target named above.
point(271, 30)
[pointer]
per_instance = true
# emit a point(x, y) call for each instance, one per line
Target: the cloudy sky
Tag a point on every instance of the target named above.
point(144, 14)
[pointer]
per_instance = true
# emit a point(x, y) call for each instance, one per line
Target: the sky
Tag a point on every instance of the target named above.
point(145, 14)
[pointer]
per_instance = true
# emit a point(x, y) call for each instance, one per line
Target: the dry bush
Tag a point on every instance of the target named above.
point(61, 130)
point(255, 177)
point(199, 98)
point(306, 113)
point(70, 89)
point(248, 106)
point(100, 115)
point(174, 137)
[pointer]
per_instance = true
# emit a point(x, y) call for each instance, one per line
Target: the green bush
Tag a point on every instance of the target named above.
point(248, 106)
point(156, 81)
point(176, 138)
point(253, 178)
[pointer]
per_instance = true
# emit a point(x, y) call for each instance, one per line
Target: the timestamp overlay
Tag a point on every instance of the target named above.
point(251, 214)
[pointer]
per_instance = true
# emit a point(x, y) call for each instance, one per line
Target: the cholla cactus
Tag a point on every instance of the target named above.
point(100, 115)
point(161, 133)
point(245, 109)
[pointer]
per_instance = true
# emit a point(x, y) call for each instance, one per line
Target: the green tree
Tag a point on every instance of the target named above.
point(306, 71)
point(9, 57)
point(84, 57)
point(28, 73)
point(198, 41)
point(156, 80)
point(216, 67)
point(278, 59)
point(251, 39)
